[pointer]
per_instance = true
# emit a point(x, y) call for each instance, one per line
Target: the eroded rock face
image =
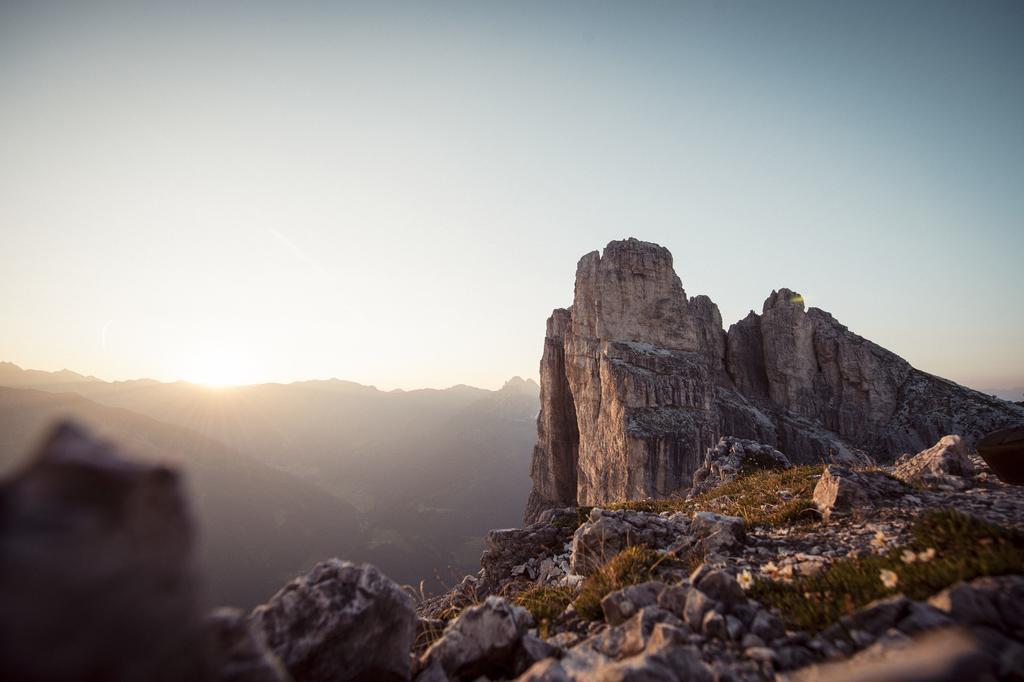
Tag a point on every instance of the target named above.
point(340, 621)
point(638, 381)
point(96, 575)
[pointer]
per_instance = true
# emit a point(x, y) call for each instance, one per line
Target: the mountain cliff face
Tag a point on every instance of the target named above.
point(638, 380)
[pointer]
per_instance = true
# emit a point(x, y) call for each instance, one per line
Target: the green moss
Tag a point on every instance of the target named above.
point(582, 514)
point(754, 497)
point(754, 462)
point(964, 548)
point(630, 566)
point(545, 602)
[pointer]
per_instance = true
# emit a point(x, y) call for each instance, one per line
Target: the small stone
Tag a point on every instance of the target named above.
point(767, 626)
point(751, 640)
point(620, 605)
point(721, 587)
point(697, 604)
point(734, 626)
point(718, 533)
point(673, 598)
point(760, 653)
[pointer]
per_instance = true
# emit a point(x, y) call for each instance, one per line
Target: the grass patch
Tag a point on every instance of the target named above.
point(964, 547)
point(754, 497)
point(756, 461)
point(582, 515)
point(630, 566)
point(545, 602)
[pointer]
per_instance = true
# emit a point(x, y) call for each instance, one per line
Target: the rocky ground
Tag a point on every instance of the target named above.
point(766, 571)
point(708, 622)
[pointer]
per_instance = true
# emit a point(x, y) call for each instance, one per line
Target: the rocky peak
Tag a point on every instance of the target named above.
point(638, 381)
point(631, 293)
point(518, 384)
point(783, 298)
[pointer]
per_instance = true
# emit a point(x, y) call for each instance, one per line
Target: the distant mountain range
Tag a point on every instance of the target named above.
point(287, 474)
point(1014, 394)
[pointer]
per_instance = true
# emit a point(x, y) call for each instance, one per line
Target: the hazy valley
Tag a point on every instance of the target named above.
point(285, 475)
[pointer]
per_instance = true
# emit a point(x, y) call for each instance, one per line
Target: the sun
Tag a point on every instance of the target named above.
point(218, 366)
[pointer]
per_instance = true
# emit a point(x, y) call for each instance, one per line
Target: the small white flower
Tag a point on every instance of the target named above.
point(908, 556)
point(926, 555)
point(888, 578)
point(745, 579)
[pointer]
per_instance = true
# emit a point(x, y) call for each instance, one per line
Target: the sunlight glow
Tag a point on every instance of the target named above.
point(218, 365)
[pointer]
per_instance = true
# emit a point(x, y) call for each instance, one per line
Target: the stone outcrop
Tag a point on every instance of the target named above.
point(730, 458)
point(507, 548)
point(638, 381)
point(340, 621)
point(487, 639)
point(607, 533)
point(945, 463)
point(842, 491)
point(96, 569)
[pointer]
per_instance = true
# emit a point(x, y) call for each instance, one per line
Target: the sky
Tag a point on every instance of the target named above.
point(398, 193)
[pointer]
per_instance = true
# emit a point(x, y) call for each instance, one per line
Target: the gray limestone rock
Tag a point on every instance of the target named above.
point(486, 639)
point(842, 491)
point(945, 462)
point(649, 646)
point(620, 605)
point(697, 604)
point(722, 588)
point(340, 621)
point(767, 626)
point(718, 533)
point(506, 548)
point(609, 532)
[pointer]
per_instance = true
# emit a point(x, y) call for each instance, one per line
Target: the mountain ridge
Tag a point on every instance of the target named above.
point(638, 381)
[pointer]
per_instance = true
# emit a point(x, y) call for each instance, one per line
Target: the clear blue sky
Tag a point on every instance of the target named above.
point(397, 194)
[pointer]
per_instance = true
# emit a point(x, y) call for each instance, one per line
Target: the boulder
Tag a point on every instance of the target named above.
point(609, 532)
point(240, 655)
point(717, 533)
point(97, 579)
point(946, 462)
point(340, 621)
point(486, 639)
point(996, 602)
point(620, 605)
point(841, 491)
point(722, 588)
point(767, 626)
point(949, 655)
